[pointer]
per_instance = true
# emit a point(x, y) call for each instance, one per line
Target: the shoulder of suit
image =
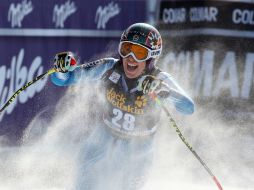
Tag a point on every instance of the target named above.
point(111, 66)
point(111, 60)
point(162, 75)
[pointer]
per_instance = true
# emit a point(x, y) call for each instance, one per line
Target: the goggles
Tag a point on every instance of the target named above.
point(139, 52)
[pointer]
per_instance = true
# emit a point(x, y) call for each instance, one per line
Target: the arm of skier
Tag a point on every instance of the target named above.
point(73, 74)
point(176, 95)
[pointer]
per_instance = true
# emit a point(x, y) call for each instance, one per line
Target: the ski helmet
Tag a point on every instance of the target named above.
point(145, 35)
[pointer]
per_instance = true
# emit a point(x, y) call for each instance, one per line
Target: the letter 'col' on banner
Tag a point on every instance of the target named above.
point(211, 51)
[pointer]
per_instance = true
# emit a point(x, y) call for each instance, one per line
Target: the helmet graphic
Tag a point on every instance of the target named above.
point(145, 35)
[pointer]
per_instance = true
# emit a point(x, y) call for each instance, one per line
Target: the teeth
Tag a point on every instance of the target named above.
point(130, 64)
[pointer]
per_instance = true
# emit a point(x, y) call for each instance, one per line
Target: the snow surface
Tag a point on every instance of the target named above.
point(47, 158)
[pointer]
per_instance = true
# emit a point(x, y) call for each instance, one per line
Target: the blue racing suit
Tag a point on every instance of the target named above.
point(118, 152)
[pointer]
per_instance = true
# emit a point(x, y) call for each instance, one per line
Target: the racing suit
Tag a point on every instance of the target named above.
point(118, 152)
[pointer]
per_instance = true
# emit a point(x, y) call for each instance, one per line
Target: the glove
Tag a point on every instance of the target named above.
point(64, 62)
point(149, 84)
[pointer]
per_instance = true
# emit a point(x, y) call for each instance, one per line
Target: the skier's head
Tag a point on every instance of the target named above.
point(139, 47)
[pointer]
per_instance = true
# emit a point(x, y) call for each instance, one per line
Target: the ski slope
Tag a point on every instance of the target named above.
point(47, 157)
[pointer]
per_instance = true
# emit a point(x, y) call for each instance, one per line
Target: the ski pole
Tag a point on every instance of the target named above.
point(49, 72)
point(12, 98)
point(173, 123)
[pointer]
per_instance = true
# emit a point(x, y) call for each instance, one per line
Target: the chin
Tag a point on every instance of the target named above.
point(131, 76)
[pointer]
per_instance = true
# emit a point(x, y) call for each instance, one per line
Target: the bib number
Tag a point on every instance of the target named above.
point(128, 120)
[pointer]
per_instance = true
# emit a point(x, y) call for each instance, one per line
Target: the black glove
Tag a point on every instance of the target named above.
point(65, 62)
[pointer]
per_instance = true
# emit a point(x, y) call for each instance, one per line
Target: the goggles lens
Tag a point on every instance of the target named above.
point(140, 52)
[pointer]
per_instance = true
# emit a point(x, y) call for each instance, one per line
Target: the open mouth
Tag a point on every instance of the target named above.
point(131, 67)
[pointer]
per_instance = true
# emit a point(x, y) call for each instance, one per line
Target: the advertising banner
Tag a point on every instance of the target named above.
point(210, 49)
point(32, 32)
point(30, 17)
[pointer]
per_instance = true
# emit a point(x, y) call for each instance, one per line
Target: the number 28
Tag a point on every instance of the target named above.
point(129, 120)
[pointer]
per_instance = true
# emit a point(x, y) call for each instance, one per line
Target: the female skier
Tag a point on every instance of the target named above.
point(118, 152)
